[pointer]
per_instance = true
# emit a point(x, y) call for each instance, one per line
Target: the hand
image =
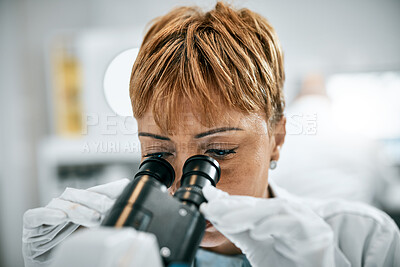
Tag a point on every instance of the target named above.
point(271, 232)
point(44, 228)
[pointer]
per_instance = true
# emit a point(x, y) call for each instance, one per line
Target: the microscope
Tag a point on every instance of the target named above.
point(147, 225)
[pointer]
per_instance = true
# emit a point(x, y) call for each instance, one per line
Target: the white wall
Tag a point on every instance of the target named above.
point(328, 36)
point(17, 190)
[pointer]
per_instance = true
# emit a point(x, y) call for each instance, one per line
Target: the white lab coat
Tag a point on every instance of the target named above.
point(363, 236)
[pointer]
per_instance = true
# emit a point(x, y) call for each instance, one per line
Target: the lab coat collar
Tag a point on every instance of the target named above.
point(279, 192)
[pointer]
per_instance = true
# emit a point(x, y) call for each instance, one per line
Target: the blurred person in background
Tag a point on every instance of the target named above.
point(320, 159)
point(212, 83)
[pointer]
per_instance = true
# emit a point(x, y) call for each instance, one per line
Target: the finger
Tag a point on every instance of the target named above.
point(92, 200)
point(41, 233)
point(58, 235)
point(248, 210)
point(232, 204)
point(76, 213)
point(248, 206)
point(278, 226)
point(239, 213)
point(233, 221)
point(112, 190)
point(217, 207)
point(211, 193)
point(203, 208)
point(33, 250)
point(43, 216)
point(216, 214)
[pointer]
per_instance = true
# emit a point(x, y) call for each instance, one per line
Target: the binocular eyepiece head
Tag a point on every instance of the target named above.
point(198, 171)
point(157, 168)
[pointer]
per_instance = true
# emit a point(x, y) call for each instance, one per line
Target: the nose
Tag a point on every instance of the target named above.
point(178, 166)
point(183, 151)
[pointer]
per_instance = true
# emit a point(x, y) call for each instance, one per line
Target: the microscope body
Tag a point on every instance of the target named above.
point(146, 205)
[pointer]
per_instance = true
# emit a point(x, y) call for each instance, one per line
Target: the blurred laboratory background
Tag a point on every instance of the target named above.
point(61, 125)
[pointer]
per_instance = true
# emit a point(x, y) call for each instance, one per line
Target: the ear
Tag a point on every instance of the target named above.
point(278, 138)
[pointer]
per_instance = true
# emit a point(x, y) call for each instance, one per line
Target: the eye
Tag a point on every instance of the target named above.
point(158, 154)
point(220, 153)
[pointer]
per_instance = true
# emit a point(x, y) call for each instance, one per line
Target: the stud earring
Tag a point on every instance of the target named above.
point(273, 164)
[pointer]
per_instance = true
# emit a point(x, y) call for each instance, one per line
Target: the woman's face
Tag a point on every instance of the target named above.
point(239, 142)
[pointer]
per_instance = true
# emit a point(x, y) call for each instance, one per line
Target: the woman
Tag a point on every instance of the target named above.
point(211, 83)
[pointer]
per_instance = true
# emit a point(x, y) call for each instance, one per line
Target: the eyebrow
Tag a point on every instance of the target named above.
point(217, 130)
point(155, 136)
point(197, 136)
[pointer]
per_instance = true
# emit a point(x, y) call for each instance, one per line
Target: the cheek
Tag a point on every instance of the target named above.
point(248, 178)
point(247, 175)
point(233, 176)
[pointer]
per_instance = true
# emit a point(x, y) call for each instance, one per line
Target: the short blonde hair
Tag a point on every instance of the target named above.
point(224, 58)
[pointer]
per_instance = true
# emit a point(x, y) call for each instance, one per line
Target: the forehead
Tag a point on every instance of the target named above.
point(191, 122)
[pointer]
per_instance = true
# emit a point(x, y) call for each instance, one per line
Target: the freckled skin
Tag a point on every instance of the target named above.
point(242, 173)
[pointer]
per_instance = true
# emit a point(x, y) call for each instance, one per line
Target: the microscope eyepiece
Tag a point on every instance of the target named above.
point(198, 171)
point(158, 168)
point(202, 165)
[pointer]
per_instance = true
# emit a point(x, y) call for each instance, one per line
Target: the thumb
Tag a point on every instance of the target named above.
point(112, 189)
point(40, 216)
point(211, 193)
